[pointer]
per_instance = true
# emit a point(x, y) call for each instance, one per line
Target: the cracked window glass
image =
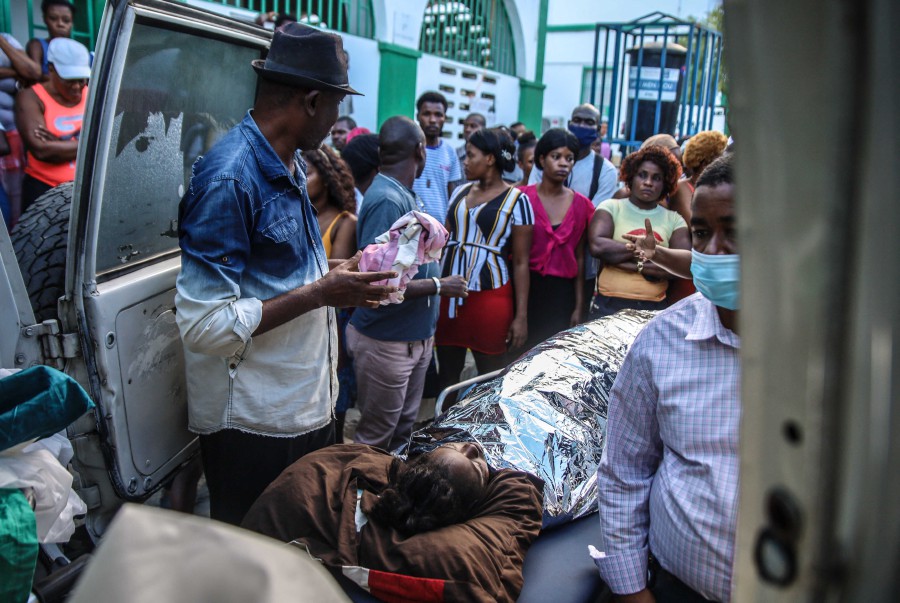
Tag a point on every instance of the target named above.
point(180, 93)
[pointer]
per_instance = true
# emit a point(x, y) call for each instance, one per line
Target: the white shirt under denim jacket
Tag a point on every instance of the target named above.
point(248, 232)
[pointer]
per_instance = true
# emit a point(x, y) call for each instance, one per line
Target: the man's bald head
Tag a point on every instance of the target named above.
point(399, 139)
point(585, 110)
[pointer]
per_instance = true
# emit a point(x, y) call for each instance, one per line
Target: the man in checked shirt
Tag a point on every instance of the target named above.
point(668, 479)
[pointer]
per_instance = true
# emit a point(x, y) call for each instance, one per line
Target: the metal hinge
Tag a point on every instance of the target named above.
point(55, 346)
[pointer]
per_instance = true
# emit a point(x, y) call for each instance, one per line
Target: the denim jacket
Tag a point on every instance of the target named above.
point(248, 233)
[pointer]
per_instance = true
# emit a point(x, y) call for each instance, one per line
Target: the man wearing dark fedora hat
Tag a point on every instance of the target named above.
point(255, 295)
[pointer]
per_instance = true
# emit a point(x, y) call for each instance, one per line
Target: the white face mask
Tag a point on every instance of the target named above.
point(718, 278)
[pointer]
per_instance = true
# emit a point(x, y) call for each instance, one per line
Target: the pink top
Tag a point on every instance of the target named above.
point(553, 252)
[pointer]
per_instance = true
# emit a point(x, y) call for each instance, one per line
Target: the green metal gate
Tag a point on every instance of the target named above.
point(347, 16)
point(353, 17)
point(477, 32)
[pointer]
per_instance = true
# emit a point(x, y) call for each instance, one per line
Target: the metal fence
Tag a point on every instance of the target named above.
point(476, 32)
point(353, 17)
point(655, 74)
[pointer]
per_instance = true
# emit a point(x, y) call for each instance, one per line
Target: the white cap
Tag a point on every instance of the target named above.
point(71, 59)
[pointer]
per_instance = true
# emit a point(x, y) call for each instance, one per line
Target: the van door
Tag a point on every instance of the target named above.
point(169, 81)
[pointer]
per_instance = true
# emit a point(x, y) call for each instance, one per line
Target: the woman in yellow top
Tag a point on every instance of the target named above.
point(651, 174)
point(329, 185)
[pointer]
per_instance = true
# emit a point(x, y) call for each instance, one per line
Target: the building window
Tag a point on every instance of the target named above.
point(476, 32)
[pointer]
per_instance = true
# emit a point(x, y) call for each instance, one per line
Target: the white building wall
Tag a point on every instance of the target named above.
point(524, 17)
point(364, 71)
point(566, 56)
point(399, 21)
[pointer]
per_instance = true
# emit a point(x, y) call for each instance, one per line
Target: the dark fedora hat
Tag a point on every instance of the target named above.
point(306, 57)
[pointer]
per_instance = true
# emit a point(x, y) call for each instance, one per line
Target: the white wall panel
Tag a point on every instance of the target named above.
point(364, 73)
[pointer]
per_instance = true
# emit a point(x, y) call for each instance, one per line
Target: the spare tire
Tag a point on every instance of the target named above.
point(40, 239)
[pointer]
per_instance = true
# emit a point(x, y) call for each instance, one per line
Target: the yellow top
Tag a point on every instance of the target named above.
point(326, 236)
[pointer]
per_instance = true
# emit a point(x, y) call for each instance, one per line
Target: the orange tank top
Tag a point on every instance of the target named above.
point(63, 122)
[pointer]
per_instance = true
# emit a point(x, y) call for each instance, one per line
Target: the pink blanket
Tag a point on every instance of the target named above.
point(415, 239)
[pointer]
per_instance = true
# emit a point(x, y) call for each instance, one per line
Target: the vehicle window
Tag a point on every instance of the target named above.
point(180, 92)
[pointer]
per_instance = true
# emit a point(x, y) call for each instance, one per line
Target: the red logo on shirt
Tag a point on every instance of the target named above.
point(640, 232)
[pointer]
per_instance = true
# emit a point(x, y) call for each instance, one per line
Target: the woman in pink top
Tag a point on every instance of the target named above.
point(561, 217)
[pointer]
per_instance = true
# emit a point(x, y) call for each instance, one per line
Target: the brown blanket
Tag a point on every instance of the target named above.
point(314, 501)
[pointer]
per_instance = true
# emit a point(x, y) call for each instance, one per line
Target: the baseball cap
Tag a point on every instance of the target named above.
point(70, 59)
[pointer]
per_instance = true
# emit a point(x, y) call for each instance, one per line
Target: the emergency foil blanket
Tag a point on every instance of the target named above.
point(547, 413)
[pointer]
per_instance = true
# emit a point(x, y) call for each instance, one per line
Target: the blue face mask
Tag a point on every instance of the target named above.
point(585, 134)
point(718, 278)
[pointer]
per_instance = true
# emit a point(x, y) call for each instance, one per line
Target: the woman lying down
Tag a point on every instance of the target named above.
point(442, 526)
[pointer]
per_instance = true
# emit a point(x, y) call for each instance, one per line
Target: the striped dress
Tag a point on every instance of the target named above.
point(480, 237)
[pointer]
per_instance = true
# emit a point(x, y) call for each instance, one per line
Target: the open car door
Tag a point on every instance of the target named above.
point(168, 81)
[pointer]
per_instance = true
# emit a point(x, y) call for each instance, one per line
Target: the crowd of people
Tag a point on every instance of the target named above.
point(528, 253)
point(43, 89)
point(543, 232)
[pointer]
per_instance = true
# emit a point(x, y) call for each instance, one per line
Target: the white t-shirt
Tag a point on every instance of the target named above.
point(580, 178)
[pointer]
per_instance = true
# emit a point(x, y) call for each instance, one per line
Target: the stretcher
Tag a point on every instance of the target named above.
point(557, 568)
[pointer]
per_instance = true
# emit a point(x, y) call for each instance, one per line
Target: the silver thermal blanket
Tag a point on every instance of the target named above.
point(546, 414)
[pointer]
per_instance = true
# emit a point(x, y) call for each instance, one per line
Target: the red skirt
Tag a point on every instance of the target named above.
point(481, 323)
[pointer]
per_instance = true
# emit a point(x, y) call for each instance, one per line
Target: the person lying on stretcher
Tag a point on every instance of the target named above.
point(441, 520)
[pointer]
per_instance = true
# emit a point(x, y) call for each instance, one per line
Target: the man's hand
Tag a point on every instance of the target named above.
point(454, 286)
point(644, 247)
point(346, 286)
point(642, 596)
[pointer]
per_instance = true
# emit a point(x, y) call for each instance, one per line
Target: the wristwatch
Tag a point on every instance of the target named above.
point(640, 266)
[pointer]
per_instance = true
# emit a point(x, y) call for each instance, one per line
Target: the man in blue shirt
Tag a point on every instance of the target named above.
point(392, 345)
point(442, 169)
point(254, 298)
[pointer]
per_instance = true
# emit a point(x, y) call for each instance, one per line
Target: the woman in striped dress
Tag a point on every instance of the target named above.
point(490, 225)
